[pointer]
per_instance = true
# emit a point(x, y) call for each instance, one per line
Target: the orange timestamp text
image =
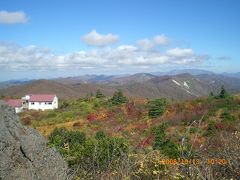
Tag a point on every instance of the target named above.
point(180, 161)
point(210, 161)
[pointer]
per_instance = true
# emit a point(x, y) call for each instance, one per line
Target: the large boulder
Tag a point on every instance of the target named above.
point(24, 153)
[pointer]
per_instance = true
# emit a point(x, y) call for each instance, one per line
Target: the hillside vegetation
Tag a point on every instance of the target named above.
point(106, 137)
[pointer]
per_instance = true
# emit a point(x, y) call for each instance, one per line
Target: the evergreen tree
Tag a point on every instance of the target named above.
point(211, 95)
point(223, 93)
point(156, 107)
point(99, 94)
point(91, 94)
point(118, 98)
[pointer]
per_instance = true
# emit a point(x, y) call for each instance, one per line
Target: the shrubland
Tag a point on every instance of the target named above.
point(120, 138)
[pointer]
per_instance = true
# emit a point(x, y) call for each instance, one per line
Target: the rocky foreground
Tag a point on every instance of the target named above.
point(24, 153)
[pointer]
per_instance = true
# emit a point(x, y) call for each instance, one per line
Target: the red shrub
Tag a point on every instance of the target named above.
point(130, 108)
point(110, 115)
point(224, 126)
point(91, 117)
point(118, 129)
point(141, 126)
point(219, 126)
point(95, 129)
point(146, 142)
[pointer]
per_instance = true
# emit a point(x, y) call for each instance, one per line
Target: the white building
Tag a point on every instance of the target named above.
point(40, 101)
point(16, 104)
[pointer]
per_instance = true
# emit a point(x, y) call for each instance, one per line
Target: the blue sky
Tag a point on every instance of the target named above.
point(41, 39)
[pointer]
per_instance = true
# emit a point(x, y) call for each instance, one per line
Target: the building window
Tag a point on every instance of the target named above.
point(50, 103)
point(32, 103)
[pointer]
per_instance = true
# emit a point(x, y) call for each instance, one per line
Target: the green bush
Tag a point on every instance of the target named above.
point(68, 115)
point(193, 130)
point(100, 151)
point(85, 108)
point(51, 114)
point(58, 137)
point(61, 135)
point(100, 135)
point(163, 143)
point(211, 129)
point(63, 105)
point(106, 150)
point(227, 117)
point(97, 103)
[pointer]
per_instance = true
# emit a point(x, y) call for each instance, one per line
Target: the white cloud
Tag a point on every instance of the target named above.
point(12, 17)
point(125, 57)
point(148, 44)
point(178, 52)
point(93, 38)
point(160, 39)
point(145, 44)
point(127, 48)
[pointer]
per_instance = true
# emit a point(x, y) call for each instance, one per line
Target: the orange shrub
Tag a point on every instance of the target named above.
point(77, 125)
point(26, 120)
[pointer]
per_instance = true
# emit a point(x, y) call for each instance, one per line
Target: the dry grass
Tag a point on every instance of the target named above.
point(46, 130)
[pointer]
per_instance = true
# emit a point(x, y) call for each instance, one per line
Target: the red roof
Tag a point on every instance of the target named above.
point(14, 102)
point(41, 97)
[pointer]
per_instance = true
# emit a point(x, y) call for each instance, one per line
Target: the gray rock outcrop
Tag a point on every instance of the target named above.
point(24, 153)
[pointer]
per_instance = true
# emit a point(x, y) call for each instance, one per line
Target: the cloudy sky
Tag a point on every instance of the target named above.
point(45, 39)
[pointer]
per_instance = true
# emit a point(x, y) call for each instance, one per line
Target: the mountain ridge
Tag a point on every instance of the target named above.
point(177, 87)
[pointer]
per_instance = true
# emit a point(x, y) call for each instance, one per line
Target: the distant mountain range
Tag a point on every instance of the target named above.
point(183, 71)
point(237, 75)
point(10, 83)
point(172, 85)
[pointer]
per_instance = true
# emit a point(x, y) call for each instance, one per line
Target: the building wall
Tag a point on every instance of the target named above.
point(18, 109)
point(43, 105)
point(25, 101)
point(55, 102)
